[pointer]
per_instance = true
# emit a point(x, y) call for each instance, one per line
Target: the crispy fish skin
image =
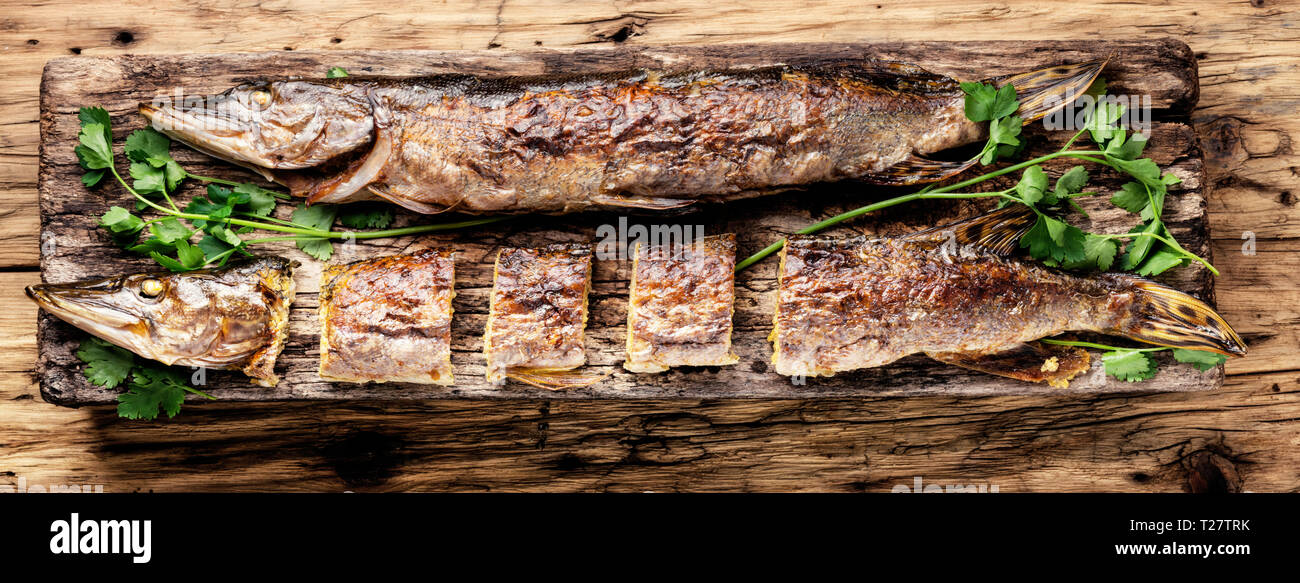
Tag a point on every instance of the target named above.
point(235, 317)
point(642, 139)
point(846, 304)
point(538, 311)
point(388, 319)
point(680, 305)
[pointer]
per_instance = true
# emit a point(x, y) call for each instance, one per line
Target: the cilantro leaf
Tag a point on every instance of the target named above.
point(320, 216)
point(364, 216)
point(1033, 182)
point(169, 230)
point(980, 101)
point(1002, 132)
point(106, 365)
point(1160, 261)
point(1201, 359)
point(336, 73)
point(1056, 240)
point(1071, 182)
point(149, 390)
point(146, 145)
point(1129, 365)
point(260, 200)
point(1132, 197)
point(1103, 124)
point(1139, 247)
point(188, 257)
point(93, 152)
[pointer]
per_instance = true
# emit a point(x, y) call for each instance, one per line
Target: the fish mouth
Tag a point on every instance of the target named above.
point(215, 133)
point(88, 308)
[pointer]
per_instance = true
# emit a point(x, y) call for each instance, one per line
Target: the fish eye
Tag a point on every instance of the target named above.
point(151, 288)
point(261, 97)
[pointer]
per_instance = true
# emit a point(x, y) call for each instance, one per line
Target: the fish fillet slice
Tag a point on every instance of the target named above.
point(388, 319)
point(537, 315)
point(680, 305)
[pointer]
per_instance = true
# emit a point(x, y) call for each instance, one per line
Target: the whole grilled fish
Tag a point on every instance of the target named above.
point(558, 144)
point(236, 317)
point(956, 294)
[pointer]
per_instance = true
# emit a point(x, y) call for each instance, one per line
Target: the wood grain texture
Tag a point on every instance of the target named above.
point(1166, 70)
point(1243, 437)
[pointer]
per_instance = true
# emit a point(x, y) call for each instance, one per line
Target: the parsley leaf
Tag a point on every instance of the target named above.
point(106, 365)
point(366, 216)
point(1129, 365)
point(1032, 185)
point(1056, 240)
point(320, 216)
point(1200, 359)
point(149, 390)
point(336, 73)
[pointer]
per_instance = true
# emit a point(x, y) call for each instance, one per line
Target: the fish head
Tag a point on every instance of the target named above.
point(283, 125)
point(217, 318)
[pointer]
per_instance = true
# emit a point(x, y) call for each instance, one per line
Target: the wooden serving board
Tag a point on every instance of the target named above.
point(73, 248)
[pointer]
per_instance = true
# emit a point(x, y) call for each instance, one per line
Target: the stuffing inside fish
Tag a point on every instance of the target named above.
point(235, 317)
point(956, 294)
point(565, 143)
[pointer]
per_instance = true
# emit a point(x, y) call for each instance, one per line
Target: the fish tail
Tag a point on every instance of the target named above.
point(1044, 91)
point(1165, 316)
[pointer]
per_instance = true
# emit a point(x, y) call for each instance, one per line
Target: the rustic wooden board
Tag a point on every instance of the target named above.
point(74, 249)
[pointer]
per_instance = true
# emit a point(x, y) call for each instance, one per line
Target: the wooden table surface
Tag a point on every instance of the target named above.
point(1241, 438)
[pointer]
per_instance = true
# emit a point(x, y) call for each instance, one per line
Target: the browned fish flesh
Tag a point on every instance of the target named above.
point(388, 319)
point(955, 293)
point(566, 143)
point(537, 314)
point(680, 305)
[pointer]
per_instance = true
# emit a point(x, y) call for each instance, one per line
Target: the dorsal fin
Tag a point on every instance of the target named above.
point(997, 232)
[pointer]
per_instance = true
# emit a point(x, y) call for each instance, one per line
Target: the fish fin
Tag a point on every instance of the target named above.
point(916, 169)
point(554, 380)
point(408, 204)
point(1031, 361)
point(1164, 316)
point(654, 203)
point(997, 232)
point(350, 185)
point(1046, 90)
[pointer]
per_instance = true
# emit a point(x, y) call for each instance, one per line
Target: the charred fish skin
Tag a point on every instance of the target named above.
point(680, 305)
point(388, 319)
point(846, 304)
point(235, 317)
point(639, 139)
point(538, 312)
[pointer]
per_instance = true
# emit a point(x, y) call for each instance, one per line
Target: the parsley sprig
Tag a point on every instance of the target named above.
point(222, 218)
point(150, 387)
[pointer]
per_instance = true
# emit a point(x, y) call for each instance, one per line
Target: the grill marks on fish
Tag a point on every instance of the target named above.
point(537, 315)
point(388, 319)
point(955, 293)
point(680, 305)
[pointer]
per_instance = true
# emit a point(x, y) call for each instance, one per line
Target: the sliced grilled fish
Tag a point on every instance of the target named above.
point(388, 319)
point(537, 316)
point(680, 305)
